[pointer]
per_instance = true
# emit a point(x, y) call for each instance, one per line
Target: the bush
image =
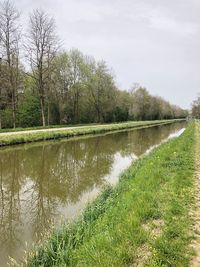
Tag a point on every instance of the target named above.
point(7, 120)
point(29, 114)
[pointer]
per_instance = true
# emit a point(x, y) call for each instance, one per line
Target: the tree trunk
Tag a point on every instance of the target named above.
point(13, 110)
point(77, 108)
point(74, 108)
point(48, 115)
point(42, 111)
point(98, 114)
point(0, 121)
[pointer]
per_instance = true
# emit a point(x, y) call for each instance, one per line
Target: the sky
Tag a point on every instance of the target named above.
point(155, 43)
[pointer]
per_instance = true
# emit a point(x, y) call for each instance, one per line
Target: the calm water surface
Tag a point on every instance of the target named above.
point(45, 183)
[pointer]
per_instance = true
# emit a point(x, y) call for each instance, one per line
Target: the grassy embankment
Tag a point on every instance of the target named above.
point(41, 135)
point(19, 129)
point(143, 221)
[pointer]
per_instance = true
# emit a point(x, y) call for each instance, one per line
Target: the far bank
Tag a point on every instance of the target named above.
point(35, 135)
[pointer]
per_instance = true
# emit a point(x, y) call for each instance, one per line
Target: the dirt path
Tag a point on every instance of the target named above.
point(195, 213)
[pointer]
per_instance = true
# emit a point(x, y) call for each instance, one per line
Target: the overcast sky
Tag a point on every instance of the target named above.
point(152, 42)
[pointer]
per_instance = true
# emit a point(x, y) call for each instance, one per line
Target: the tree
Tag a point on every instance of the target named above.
point(102, 92)
point(10, 36)
point(196, 108)
point(71, 71)
point(3, 91)
point(41, 47)
point(141, 103)
point(76, 76)
point(0, 98)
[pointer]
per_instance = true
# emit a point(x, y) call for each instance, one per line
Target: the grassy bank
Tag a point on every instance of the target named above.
point(143, 221)
point(41, 135)
point(19, 129)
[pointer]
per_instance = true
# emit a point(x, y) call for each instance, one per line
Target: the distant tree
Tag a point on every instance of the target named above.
point(140, 103)
point(4, 83)
point(70, 77)
point(9, 46)
point(77, 76)
point(41, 51)
point(1, 92)
point(0, 101)
point(144, 106)
point(102, 92)
point(196, 108)
point(122, 108)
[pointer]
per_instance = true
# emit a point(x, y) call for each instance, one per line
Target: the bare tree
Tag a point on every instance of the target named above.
point(10, 36)
point(3, 85)
point(41, 50)
point(0, 82)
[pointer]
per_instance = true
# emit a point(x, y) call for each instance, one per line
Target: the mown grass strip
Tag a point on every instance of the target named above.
point(6, 139)
point(19, 129)
point(118, 228)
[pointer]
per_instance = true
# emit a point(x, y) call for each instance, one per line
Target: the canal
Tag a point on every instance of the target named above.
point(45, 184)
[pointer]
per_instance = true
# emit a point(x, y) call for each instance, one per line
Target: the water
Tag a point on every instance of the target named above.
point(46, 183)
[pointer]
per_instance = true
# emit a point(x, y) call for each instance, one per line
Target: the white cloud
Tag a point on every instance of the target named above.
point(173, 26)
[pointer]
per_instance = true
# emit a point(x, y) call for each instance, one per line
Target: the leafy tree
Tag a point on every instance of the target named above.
point(29, 111)
point(196, 108)
point(102, 92)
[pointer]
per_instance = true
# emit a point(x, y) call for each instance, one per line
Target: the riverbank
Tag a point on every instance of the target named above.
point(143, 221)
point(20, 137)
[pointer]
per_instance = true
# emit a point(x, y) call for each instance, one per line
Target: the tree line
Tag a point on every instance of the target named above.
point(195, 113)
point(42, 84)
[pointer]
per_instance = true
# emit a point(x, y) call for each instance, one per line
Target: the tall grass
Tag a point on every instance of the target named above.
point(143, 220)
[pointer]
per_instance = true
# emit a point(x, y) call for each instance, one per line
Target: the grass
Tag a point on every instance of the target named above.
point(19, 129)
point(143, 221)
point(12, 139)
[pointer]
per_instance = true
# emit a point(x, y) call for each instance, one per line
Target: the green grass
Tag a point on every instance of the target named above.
point(6, 139)
point(146, 214)
point(19, 129)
